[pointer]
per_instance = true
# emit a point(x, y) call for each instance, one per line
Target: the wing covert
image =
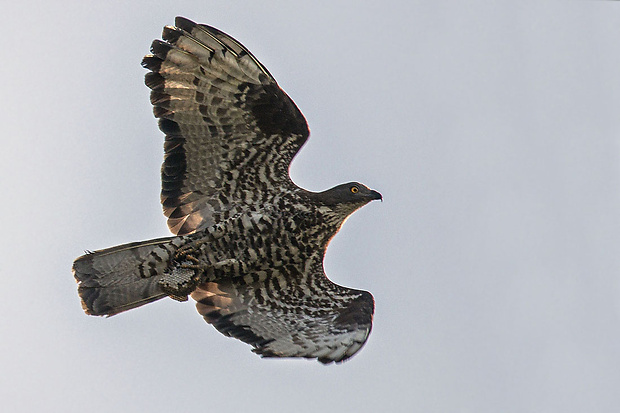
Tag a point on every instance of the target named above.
point(229, 127)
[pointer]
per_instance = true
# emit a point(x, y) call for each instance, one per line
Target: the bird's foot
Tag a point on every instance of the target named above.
point(185, 251)
point(180, 283)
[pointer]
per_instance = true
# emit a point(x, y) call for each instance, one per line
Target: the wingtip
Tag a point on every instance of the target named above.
point(160, 48)
point(171, 34)
point(184, 23)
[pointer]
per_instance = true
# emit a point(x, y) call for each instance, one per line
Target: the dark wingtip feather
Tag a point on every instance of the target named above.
point(154, 81)
point(171, 34)
point(159, 98)
point(151, 62)
point(169, 127)
point(160, 48)
point(325, 361)
point(162, 112)
point(183, 23)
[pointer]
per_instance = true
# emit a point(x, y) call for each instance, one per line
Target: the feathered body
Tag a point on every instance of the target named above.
point(249, 243)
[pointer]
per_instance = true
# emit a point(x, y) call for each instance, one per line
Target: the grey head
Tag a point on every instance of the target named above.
point(344, 199)
point(350, 193)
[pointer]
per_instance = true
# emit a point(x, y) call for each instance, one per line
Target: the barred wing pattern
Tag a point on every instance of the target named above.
point(231, 132)
point(289, 313)
point(249, 243)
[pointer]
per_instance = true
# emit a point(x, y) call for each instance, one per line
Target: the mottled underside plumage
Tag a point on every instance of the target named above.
point(249, 243)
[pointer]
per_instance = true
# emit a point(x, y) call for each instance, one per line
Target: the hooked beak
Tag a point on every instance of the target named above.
point(375, 195)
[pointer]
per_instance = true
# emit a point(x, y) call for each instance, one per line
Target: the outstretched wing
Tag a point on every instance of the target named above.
point(287, 314)
point(231, 132)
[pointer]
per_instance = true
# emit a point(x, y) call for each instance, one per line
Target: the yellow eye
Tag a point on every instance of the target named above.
point(355, 189)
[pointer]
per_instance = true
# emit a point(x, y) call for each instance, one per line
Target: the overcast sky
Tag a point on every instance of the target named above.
point(492, 131)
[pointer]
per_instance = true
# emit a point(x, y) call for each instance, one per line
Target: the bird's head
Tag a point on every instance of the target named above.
point(347, 198)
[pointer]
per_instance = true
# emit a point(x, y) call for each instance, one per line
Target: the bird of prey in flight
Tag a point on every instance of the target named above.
point(248, 243)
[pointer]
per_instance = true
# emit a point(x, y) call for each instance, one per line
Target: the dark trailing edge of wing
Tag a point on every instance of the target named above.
point(230, 310)
point(274, 111)
point(359, 312)
point(266, 106)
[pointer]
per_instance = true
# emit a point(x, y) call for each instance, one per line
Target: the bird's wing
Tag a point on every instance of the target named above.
point(283, 313)
point(231, 132)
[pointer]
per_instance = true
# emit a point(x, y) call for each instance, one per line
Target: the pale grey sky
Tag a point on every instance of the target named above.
point(491, 129)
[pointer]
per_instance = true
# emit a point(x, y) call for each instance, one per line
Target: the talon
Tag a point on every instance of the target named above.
point(192, 258)
point(198, 267)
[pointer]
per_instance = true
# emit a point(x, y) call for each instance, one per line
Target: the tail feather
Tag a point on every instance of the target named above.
point(120, 278)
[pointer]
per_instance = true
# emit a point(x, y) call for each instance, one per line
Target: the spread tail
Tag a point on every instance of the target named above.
point(120, 278)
